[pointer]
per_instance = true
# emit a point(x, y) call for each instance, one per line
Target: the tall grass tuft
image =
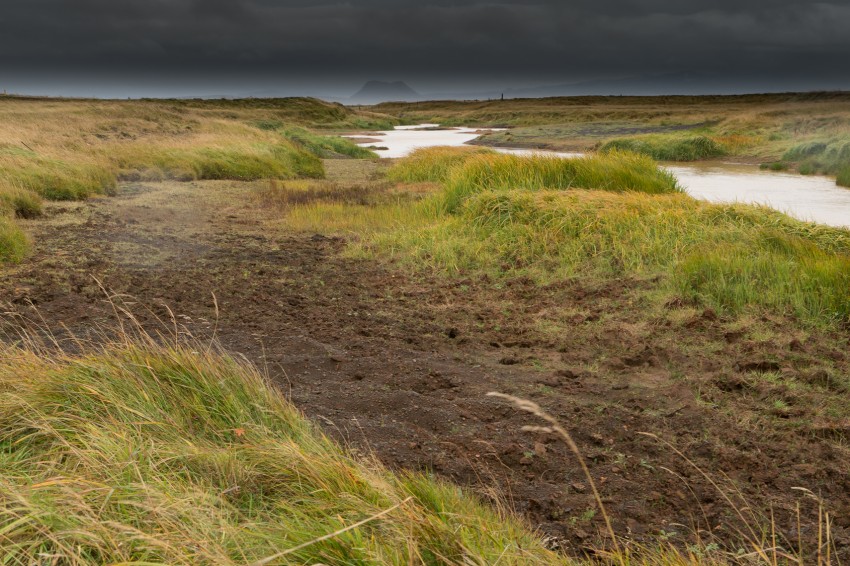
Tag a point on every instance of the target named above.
point(615, 171)
point(21, 202)
point(668, 147)
point(13, 242)
point(781, 272)
point(143, 454)
point(327, 146)
point(843, 176)
point(57, 179)
point(433, 164)
point(830, 157)
point(244, 161)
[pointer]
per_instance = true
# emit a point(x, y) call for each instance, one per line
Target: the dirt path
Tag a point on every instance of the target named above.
point(400, 364)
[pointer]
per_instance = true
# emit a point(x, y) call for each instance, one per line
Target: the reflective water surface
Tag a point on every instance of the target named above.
point(814, 198)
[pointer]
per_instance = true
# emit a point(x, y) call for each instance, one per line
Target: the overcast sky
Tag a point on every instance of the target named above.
point(185, 47)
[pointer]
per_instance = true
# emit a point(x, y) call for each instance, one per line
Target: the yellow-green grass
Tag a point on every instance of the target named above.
point(13, 241)
point(20, 202)
point(615, 171)
point(75, 148)
point(150, 455)
point(72, 149)
point(827, 157)
point(236, 160)
point(432, 164)
point(326, 146)
point(669, 147)
point(843, 176)
point(733, 257)
point(54, 178)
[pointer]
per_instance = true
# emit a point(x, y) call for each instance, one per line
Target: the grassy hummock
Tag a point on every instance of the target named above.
point(22, 203)
point(668, 147)
point(13, 241)
point(615, 171)
point(433, 164)
point(145, 455)
point(511, 216)
point(327, 146)
point(827, 157)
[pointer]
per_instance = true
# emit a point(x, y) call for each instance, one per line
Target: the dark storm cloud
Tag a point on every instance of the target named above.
point(438, 42)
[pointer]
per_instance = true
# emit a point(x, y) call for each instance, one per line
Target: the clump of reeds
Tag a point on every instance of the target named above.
point(144, 453)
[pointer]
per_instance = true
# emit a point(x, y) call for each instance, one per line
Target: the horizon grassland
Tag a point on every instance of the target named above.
point(808, 132)
point(719, 330)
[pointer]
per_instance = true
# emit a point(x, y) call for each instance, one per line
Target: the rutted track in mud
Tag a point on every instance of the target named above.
point(400, 364)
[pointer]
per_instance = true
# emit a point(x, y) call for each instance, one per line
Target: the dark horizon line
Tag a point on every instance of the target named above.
point(820, 93)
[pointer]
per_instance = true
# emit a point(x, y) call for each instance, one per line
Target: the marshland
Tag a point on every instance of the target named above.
point(234, 335)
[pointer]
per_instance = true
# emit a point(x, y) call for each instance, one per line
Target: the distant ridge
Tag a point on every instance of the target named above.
point(374, 92)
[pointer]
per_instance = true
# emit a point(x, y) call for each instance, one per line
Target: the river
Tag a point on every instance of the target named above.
point(814, 198)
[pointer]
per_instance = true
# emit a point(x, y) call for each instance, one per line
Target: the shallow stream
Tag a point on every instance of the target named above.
point(814, 198)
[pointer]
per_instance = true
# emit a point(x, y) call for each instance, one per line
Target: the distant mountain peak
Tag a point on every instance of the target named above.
point(374, 92)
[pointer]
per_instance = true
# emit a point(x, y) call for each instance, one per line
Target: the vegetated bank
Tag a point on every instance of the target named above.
point(601, 217)
point(60, 149)
point(805, 132)
point(151, 454)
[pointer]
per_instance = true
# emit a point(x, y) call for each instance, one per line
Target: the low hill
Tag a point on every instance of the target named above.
point(374, 92)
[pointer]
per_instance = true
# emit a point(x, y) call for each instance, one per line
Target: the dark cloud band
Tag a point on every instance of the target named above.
point(451, 41)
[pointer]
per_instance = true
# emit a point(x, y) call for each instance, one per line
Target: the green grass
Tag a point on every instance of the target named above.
point(56, 179)
point(21, 202)
point(432, 164)
point(843, 176)
point(668, 147)
point(327, 146)
point(775, 166)
point(13, 241)
point(830, 157)
point(615, 171)
point(169, 456)
point(245, 162)
point(780, 272)
point(509, 217)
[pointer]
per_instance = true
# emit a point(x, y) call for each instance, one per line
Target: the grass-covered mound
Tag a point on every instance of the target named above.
point(325, 146)
point(57, 178)
point(13, 241)
point(236, 160)
point(510, 216)
point(615, 171)
point(20, 202)
point(830, 157)
point(167, 456)
point(432, 164)
point(668, 147)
